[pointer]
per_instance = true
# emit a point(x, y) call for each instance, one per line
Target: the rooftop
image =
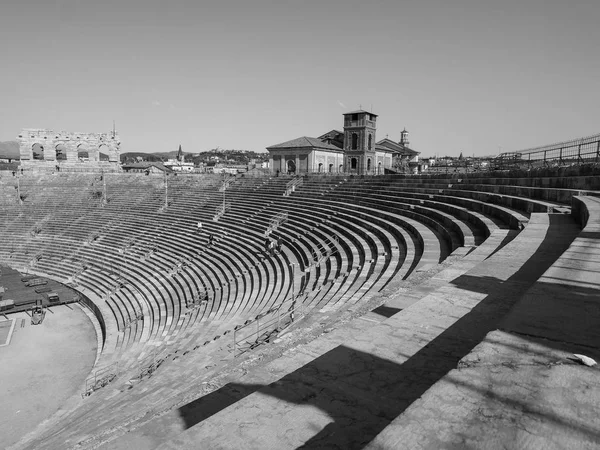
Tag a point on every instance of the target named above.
point(305, 142)
point(359, 111)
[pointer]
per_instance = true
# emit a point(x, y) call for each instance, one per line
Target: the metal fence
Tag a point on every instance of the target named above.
point(576, 151)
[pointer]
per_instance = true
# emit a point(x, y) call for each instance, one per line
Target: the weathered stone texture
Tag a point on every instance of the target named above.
point(69, 142)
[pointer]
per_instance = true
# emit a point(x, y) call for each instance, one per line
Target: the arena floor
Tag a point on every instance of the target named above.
point(42, 367)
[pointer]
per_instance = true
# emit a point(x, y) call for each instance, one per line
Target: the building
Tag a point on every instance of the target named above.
point(147, 167)
point(178, 163)
point(353, 150)
point(42, 148)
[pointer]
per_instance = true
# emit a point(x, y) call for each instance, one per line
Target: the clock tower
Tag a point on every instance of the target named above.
point(359, 141)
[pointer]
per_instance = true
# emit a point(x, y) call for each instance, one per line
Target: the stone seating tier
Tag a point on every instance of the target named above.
point(379, 237)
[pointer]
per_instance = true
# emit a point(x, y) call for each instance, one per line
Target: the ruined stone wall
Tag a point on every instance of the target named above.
point(70, 143)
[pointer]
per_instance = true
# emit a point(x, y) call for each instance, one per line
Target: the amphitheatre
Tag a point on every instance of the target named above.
point(401, 311)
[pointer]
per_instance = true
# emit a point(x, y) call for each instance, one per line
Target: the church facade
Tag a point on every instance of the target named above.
point(354, 150)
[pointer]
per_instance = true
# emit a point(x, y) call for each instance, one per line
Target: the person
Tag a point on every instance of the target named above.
point(210, 239)
point(199, 227)
point(267, 244)
point(279, 244)
point(272, 247)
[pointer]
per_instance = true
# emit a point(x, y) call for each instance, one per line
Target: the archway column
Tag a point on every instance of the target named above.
point(50, 151)
point(94, 154)
point(71, 151)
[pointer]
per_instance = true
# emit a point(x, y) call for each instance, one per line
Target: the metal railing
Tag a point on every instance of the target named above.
point(278, 219)
point(255, 333)
point(292, 185)
point(101, 378)
point(576, 151)
point(221, 210)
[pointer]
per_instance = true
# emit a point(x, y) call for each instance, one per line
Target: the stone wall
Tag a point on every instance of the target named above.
point(69, 144)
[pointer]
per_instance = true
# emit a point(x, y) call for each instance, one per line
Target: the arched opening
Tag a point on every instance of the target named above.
point(330, 168)
point(291, 166)
point(38, 151)
point(353, 163)
point(379, 168)
point(82, 153)
point(370, 142)
point(320, 168)
point(368, 164)
point(61, 152)
point(341, 168)
point(103, 152)
point(354, 141)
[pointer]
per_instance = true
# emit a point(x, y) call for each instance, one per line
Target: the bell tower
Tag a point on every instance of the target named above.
point(404, 138)
point(359, 141)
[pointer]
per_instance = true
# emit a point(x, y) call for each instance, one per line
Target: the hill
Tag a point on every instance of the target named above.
point(208, 157)
point(9, 149)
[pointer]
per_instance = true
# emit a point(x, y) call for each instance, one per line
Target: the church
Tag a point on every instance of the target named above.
point(355, 150)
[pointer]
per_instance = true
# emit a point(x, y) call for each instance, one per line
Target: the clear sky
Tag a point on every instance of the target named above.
point(468, 76)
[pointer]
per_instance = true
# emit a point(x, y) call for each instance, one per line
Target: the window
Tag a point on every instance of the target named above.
point(354, 141)
point(61, 152)
point(354, 117)
point(38, 151)
point(370, 142)
point(369, 164)
point(353, 163)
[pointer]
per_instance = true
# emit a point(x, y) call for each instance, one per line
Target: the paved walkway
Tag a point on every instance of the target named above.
point(343, 389)
point(520, 388)
point(42, 367)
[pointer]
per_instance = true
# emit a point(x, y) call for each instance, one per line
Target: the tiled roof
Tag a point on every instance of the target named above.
point(394, 146)
point(145, 165)
point(303, 142)
point(331, 133)
point(359, 111)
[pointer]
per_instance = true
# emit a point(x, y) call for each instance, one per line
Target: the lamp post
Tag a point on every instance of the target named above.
point(164, 169)
point(19, 189)
point(104, 198)
point(293, 280)
point(224, 188)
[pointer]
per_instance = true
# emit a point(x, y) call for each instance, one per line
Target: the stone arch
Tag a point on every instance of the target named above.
point(103, 153)
point(61, 152)
point(330, 168)
point(341, 168)
point(379, 168)
point(37, 151)
point(82, 152)
point(368, 164)
point(291, 166)
point(320, 167)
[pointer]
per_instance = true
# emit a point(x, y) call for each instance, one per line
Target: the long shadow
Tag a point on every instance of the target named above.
point(362, 393)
